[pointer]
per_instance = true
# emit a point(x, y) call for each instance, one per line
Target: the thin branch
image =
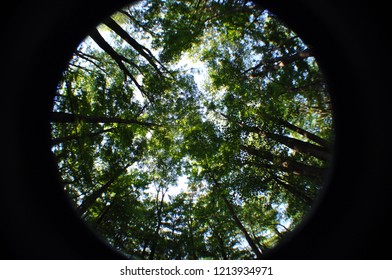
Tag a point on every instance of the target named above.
point(88, 58)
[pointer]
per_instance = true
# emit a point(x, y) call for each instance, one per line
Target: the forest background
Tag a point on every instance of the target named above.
point(218, 95)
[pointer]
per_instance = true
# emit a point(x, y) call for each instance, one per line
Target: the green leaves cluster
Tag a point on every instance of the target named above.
point(251, 136)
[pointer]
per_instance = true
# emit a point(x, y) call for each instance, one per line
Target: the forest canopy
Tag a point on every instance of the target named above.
point(195, 129)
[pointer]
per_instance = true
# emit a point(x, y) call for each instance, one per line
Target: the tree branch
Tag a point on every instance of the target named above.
point(100, 41)
point(61, 117)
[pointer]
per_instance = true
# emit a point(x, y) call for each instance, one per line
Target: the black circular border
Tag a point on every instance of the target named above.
point(349, 221)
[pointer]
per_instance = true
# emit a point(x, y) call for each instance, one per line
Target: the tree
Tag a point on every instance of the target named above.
point(134, 113)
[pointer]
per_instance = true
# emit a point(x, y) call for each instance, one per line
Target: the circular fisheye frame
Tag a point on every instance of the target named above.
point(195, 155)
point(192, 132)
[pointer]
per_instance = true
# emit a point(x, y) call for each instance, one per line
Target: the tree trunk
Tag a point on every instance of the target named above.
point(298, 194)
point(100, 41)
point(306, 134)
point(103, 214)
point(158, 226)
point(59, 140)
point(287, 164)
point(222, 247)
point(241, 227)
point(192, 239)
point(295, 144)
point(301, 146)
point(292, 58)
point(238, 222)
point(258, 243)
point(277, 62)
point(89, 201)
point(143, 51)
point(60, 117)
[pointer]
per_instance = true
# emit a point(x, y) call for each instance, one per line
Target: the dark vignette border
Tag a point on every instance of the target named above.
point(350, 219)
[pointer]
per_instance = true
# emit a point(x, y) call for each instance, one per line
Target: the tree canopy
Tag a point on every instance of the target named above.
point(195, 129)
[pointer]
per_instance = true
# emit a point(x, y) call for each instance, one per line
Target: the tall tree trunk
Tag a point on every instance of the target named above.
point(216, 235)
point(103, 214)
point(301, 146)
point(317, 85)
point(158, 226)
point(278, 233)
point(222, 248)
point(307, 134)
point(269, 65)
point(143, 51)
point(100, 41)
point(295, 144)
point(90, 200)
point(258, 243)
point(60, 117)
point(237, 221)
point(192, 239)
point(287, 164)
point(113, 204)
point(241, 227)
point(294, 191)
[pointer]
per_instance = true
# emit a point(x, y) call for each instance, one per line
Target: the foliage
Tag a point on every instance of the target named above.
point(217, 93)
